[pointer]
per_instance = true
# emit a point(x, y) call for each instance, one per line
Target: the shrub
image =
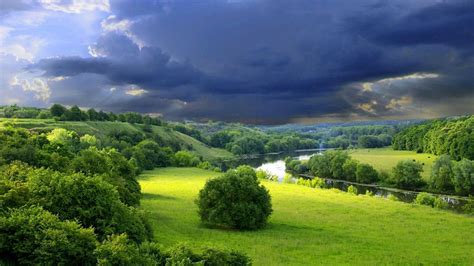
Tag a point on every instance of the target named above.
point(262, 174)
point(392, 197)
point(440, 203)
point(185, 159)
point(118, 250)
point(236, 200)
point(213, 257)
point(424, 198)
point(288, 179)
point(90, 200)
point(35, 236)
point(464, 177)
point(366, 174)
point(407, 175)
point(442, 174)
point(352, 190)
point(350, 168)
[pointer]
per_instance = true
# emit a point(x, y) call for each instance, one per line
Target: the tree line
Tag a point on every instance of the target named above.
point(454, 137)
point(74, 113)
point(447, 176)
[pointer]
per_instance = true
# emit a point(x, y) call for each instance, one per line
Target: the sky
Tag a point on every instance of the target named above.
point(250, 61)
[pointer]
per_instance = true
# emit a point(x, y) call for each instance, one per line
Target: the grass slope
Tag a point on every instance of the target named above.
point(101, 129)
point(312, 226)
point(387, 158)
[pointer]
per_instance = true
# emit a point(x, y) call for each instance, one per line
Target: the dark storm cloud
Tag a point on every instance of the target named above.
point(122, 62)
point(448, 22)
point(274, 61)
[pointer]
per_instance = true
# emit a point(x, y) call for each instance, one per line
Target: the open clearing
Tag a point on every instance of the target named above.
point(387, 158)
point(312, 226)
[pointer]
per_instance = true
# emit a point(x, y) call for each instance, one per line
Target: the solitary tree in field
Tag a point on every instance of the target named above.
point(235, 200)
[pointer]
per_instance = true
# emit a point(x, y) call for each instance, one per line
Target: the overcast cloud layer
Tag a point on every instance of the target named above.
point(251, 61)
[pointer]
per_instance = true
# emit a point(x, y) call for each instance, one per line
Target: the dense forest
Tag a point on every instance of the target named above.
point(452, 136)
point(70, 198)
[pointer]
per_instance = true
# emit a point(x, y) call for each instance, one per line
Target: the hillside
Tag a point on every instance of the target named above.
point(312, 226)
point(102, 128)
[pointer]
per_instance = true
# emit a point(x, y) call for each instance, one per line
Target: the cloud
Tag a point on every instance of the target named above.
point(274, 61)
point(75, 6)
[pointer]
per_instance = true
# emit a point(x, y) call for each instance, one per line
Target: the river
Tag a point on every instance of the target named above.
point(274, 164)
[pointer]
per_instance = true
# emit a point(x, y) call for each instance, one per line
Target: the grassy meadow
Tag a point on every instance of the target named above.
point(387, 158)
point(312, 226)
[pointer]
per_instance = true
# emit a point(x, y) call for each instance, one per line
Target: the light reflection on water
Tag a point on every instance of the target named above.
point(278, 168)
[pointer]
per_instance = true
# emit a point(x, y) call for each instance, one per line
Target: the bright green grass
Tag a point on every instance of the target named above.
point(101, 129)
point(387, 158)
point(312, 226)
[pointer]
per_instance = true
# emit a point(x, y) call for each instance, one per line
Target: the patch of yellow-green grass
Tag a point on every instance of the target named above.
point(387, 158)
point(312, 226)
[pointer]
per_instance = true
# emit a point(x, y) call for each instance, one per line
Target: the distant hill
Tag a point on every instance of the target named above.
point(101, 129)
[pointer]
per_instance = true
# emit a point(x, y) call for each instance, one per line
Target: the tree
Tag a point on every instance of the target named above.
point(236, 200)
point(442, 174)
point(350, 168)
point(366, 174)
point(320, 166)
point(407, 175)
point(89, 200)
point(33, 236)
point(185, 159)
point(57, 110)
point(463, 177)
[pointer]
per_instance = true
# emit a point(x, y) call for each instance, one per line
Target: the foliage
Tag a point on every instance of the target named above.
point(236, 200)
point(407, 175)
point(454, 137)
point(352, 190)
point(463, 177)
point(366, 174)
point(424, 198)
point(442, 174)
point(89, 200)
point(34, 236)
point(185, 159)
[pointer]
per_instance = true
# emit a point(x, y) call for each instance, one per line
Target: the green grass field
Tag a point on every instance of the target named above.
point(101, 129)
point(387, 158)
point(312, 226)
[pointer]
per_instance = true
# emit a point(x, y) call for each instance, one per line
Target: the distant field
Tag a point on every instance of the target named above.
point(101, 129)
point(312, 226)
point(387, 158)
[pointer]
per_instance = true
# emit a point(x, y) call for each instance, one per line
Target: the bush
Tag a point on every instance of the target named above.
point(185, 159)
point(407, 175)
point(236, 200)
point(440, 203)
point(118, 250)
point(35, 236)
point(352, 190)
point(442, 174)
point(262, 174)
point(89, 200)
point(424, 198)
point(366, 174)
point(392, 197)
